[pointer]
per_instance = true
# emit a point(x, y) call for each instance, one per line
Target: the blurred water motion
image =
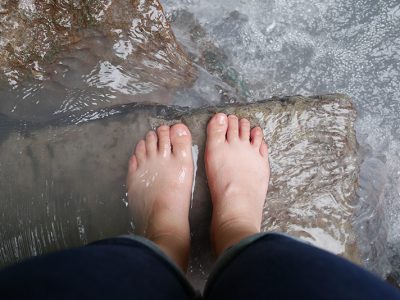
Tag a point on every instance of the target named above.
point(314, 47)
point(64, 56)
point(69, 58)
point(71, 190)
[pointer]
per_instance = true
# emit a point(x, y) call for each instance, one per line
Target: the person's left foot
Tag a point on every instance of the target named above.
point(159, 182)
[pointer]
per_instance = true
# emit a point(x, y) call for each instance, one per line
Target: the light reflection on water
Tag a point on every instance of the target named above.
point(105, 54)
point(314, 47)
point(240, 50)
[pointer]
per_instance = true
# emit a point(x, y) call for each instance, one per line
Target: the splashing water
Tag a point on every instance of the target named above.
point(91, 57)
point(80, 57)
point(314, 47)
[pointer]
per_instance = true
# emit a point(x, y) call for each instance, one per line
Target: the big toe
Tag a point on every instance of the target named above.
point(181, 141)
point(216, 129)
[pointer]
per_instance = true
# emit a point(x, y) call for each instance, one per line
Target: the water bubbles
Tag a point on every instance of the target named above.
point(90, 52)
point(314, 47)
point(125, 200)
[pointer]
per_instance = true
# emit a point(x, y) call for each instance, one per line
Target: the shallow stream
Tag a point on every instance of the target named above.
point(316, 47)
point(238, 51)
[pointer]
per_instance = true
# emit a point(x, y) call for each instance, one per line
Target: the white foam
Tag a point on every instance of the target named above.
point(315, 47)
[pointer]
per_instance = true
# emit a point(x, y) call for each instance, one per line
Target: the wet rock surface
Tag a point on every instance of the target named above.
point(63, 56)
point(65, 60)
point(205, 53)
point(318, 47)
point(62, 182)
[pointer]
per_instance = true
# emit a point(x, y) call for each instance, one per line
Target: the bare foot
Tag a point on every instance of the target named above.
point(159, 182)
point(237, 170)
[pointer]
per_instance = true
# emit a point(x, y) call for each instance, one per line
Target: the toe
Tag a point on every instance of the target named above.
point(132, 167)
point(164, 142)
point(133, 164)
point(264, 149)
point(233, 128)
point(181, 141)
point(244, 129)
point(140, 151)
point(216, 130)
point(256, 137)
point(151, 143)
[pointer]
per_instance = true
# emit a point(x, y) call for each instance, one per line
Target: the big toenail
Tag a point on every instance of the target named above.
point(181, 132)
point(221, 119)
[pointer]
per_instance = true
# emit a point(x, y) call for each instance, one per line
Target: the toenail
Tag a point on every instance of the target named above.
point(181, 132)
point(163, 128)
point(221, 119)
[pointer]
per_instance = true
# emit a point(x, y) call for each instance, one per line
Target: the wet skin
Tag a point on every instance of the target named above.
point(159, 182)
point(237, 168)
point(160, 179)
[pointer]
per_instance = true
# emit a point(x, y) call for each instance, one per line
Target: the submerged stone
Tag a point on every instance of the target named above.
point(62, 184)
point(203, 51)
point(59, 56)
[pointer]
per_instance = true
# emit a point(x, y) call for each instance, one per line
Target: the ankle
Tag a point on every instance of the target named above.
point(175, 246)
point(231, 232)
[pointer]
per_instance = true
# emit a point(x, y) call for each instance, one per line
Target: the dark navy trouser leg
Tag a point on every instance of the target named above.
point(271, 267)
point(278, 267)
point(118, 268)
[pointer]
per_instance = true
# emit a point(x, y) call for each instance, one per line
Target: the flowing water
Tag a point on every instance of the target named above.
point(67, 61)
point(313, 47)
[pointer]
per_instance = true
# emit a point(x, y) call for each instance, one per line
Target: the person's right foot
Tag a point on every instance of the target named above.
point(237, 169)
point(159, 182)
